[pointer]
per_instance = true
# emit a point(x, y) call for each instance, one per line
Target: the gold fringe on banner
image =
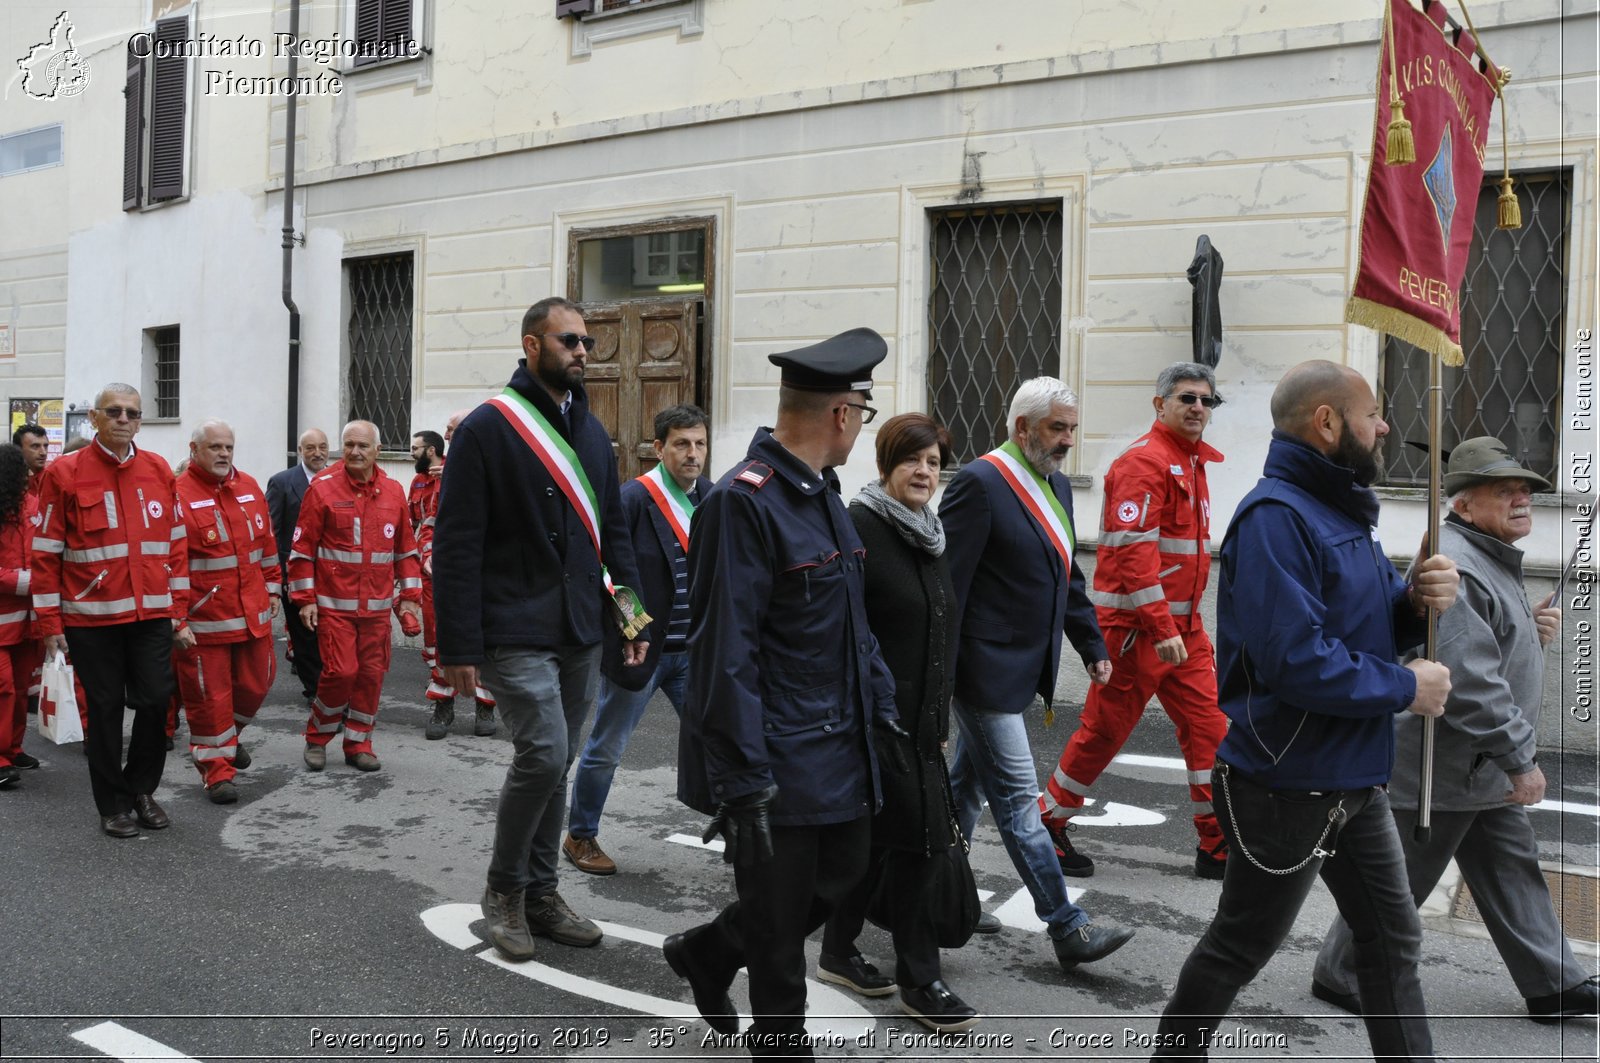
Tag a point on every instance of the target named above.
point(1402, 325)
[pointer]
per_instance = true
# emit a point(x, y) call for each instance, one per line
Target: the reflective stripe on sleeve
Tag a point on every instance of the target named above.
point(48, 546)
point(1125, 538)
point(1143, 596)
point(213, 627)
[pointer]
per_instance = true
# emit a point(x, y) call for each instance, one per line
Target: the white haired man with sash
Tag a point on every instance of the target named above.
point(532, 560)
point(1008, 524)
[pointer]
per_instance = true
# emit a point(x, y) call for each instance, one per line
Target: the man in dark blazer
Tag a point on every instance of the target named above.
point(1008, 522)
point(531, 563)
point(285, 490)
point(658, 507)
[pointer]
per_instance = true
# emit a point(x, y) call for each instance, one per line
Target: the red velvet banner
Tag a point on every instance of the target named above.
point(1417, 220)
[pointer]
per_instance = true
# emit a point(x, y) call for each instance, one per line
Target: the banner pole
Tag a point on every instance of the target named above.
point(1431, 547)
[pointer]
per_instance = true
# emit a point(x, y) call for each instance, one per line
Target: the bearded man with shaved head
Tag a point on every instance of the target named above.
point(1311, 621)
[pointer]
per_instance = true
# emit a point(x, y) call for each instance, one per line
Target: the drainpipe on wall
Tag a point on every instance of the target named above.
point(293, 403)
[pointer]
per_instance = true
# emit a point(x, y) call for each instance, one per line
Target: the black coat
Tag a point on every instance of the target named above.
point(653, 543)
point(513, 563)
point(785, 678)
point(911, 608)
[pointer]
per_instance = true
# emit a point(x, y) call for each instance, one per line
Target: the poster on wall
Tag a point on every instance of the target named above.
point(22, 412)
point(52, 417)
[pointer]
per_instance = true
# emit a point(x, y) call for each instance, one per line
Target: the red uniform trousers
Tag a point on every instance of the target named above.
point(1188, 693)
point(438, 689)
point(355, 656)
point(222, 686)
point(17, 662)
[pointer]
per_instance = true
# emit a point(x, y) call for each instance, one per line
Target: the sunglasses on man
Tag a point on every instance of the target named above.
point(1189, 398)
point(570, 340)
point(117, 413)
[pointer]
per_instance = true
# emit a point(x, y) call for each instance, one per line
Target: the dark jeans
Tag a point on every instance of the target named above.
point(543, 696)
point(307, 662)
point(124, 667)
point(1257, 909)
point(781, 902)
point(916, 949)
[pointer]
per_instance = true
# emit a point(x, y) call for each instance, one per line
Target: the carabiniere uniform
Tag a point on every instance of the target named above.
point(784, 670)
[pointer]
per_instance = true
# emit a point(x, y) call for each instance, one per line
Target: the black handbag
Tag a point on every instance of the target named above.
point(952, 896)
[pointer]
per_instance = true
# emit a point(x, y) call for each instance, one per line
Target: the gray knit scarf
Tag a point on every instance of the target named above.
point(921, 529)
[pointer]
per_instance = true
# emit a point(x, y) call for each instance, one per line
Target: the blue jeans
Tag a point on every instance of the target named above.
point(994, 755)
point(543, 696)
point(615, 718)
point(1365, 872)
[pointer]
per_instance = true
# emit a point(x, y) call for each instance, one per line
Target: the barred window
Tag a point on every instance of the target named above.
point(994, 314)
point(1513, 305)
point(161, 372)
point(379, 305)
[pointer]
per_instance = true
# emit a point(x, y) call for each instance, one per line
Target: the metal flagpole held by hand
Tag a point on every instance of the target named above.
point(1431, 547)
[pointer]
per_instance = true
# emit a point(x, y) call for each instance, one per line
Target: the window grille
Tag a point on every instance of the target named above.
point(379, 383)
point(994, 314)
point(1513, 305)
point(164, 371)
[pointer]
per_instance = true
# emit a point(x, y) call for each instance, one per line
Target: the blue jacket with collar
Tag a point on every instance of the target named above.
point(785, 676)
point(1311, 618)
point(513, 564)
point(653, 543)
point(1014, 597)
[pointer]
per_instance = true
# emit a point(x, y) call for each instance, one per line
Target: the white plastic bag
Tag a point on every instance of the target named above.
point(58, 703)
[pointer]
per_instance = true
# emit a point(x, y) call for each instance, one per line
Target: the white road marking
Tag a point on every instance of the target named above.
point(119, 1042)
point(1117, 814)
point(693, 842)
point(830, 1012)
point(1565, 806)
point(1018, 910)
point(1139, 760)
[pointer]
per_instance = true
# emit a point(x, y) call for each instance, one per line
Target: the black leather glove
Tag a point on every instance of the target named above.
point(745, 824)
point(896, 740)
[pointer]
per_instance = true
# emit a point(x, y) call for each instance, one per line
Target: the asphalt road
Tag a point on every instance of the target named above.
point(334, 916)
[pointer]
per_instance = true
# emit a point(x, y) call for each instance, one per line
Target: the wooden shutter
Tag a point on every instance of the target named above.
point(394, 28)
point(133, 132)
point(573, 8)
point(169, 104)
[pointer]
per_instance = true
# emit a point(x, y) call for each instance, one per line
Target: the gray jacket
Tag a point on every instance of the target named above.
point(1490, 644)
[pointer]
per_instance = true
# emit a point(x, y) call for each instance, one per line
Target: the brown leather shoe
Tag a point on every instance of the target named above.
point(362, 761)
point(149, 813)
point(587, 856)
point(120, 825)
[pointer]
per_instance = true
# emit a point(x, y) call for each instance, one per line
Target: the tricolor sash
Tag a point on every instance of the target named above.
point(562, 463)
point(671, 500)
point(1036, 497)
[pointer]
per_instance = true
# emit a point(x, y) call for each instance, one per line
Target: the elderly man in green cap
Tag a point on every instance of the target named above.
point(1486, 769)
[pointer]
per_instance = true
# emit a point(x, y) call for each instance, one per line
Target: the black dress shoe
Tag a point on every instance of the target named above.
point(9, 776)
point(711, 999)
point(987, 924)
point(937, 1008)
point(1089, 943)
point(26, 761)
point(1324, 992)
point(151, 814)
point(241, 757)
point(854, 973)
point(1581, 999)
point(120, 825)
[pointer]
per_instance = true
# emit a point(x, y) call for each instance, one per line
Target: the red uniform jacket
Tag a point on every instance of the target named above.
point(233, 558)
point(1154, 556)
point(110, 545)
point(353, 546)
point(16, 597)
point(424, 503)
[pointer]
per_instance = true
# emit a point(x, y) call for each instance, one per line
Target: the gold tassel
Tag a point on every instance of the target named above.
point(1510, 209)
point(1402, 147)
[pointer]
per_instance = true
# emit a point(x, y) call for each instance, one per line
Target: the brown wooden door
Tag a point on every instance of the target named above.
point(643, 361)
